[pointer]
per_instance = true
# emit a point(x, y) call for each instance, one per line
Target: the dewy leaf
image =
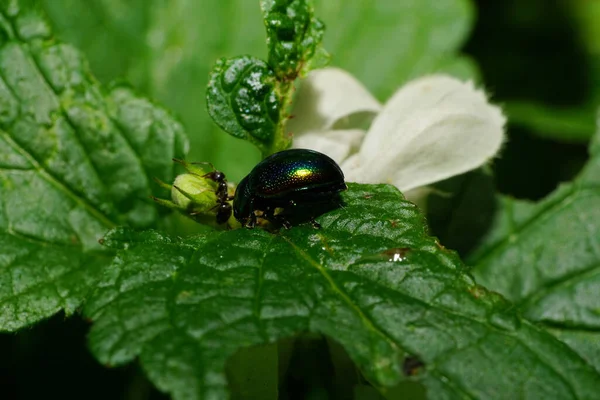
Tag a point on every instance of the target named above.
point(74, 161)
point(546, 258)
point(294, 36)
point(370, 278)
point(242, 100)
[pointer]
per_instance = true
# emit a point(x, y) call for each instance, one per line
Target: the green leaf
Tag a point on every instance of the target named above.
point(586, 343)
point(546, 258)
point(242, 100)
point(587, 22)
point(252, 373)
point(370, 278)
point(169, 48)
point(294, 36)
point(75, 160)
point(387, 44)
point(566, 125)
point(460, 209)
point(249, 98)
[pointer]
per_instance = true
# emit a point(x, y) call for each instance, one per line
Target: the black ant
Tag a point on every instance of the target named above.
point(223, 198)
point(223, 207)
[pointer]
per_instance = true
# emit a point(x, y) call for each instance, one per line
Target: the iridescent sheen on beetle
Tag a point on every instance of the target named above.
point(287, 179)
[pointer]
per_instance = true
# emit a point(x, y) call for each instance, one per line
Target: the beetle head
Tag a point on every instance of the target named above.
point(242, 202)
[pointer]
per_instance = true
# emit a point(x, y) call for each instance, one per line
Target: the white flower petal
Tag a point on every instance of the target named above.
point(337, 144)
point(433, 128)
point(327, 96)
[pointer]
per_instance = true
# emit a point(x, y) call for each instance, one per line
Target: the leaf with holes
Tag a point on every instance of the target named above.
point(371, 279)
point(546, 258)
point(75, 160)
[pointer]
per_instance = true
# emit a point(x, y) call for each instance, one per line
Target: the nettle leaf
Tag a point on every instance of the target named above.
point(546, 258)
point(168, 49)
point(371, 279)
point(242, 100)
point(294, 37)
point(75, 160)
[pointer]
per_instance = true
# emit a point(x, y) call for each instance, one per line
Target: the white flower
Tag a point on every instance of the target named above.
point(431, 129)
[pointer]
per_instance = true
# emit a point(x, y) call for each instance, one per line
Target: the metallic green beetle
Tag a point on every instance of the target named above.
point(289, 178)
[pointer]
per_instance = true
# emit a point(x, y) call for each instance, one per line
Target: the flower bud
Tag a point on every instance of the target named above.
point(196, 194)
point(191, 191)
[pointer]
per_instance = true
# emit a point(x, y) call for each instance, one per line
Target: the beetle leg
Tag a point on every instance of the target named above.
point(314, 223)
point(269, 215)
point(251, 222)
point(285, 223)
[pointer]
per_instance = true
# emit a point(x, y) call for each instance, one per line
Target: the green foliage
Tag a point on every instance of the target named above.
point(386, 45)
point(545, 257)
point(294, 36)
point(377, 284)
point(526, 55)
point(249, 98)
point(75, 160)
point(228, 311)
point(243, 101)
point(169, 48)
point(567, 125)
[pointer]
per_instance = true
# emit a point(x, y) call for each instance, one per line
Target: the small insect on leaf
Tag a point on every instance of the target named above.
point(299, 181)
